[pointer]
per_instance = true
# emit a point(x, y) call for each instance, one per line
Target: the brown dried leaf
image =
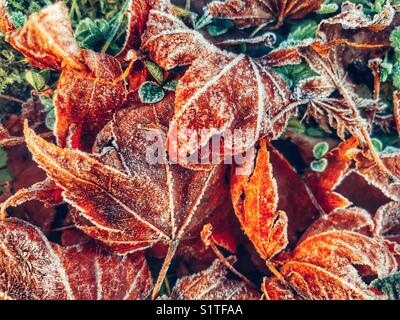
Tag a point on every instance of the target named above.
point(210, 102)
point(125, 201)
point(255, 200)
point(138, 14)
point(88, 91)
point(84, 104)
point(47, 39)
point(249, 13)
point(387, 222)
point(371, 173)
point(212, 284)
point(33, 268)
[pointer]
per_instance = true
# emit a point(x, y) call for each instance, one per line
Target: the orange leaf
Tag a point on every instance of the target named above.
point(263, 224)
point(322, 184)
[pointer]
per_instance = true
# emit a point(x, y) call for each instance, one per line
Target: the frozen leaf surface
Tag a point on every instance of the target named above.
point(32, 268)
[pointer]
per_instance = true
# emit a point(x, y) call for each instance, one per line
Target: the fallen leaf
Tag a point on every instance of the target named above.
point(255, 200)
point(325, 264)
point(88, 91)
point(32, 268)
point(322, 184)
point(250, 13)
point(210, 103)
point(212, 284)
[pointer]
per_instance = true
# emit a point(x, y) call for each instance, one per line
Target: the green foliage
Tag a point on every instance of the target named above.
point(92, 34)
point(151, 92)
point(155, 71)
point(293, 74)
point(377, 144)
point(389, 286)
point(171, 86)
point(5, 174)
point(305, 29)
point(319, 165)
point(219, 27)
point(320, 149)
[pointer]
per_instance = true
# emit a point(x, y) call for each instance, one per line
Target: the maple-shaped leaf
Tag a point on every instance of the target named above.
point(210, 101)
point(325, 264)
point(32, 268)
point(212, 284)
point(322, 184)
point(127, 194)
point(88, 90)
point(255, 200)
point(249, 13)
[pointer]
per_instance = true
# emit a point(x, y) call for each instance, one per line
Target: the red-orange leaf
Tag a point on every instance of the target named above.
point(255, 199)
point(323, 184)
point(88, 91)
point(33, 268)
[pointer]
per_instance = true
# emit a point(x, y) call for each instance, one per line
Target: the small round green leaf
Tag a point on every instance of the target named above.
point(319, 165)
point(171, 86)
point(320, 150)
point(377, 144)
point(50, 119)
point(151, 92)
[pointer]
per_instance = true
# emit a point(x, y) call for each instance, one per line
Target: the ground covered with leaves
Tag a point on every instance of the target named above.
point(303, 204)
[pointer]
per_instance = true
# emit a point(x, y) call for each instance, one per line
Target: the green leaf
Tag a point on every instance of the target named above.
point(155, 71)
point(305, 29)
point(219, 27)
point(47, 102)
point(92, 34)
point(320, 150)
point(171, 86)
point(36, 79)
point(5, 175)
point(3, 157)
point(50, 119)
point(18, 18)
point(377, 144)
point(396, 75)
point(319, 165)
point(315, 132)
point(151, 92)
point(395, 39)
point(327, 8)
point(205, 20)
point(389, 286)
point(295, 125)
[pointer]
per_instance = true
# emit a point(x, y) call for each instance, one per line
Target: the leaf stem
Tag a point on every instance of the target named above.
point(226, 263)
point(164, 268)
point(12, 99)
